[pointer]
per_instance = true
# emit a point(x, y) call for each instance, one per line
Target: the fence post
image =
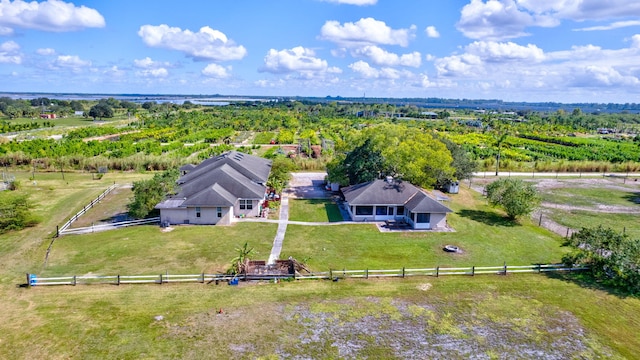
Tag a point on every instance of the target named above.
point(403, 272)
point(344, 273)
point(366, 273)
point(202, 279)
point(28, 280)
point(505, 268)
point(567, 236)
point(330, 274)
point(473, 271)
point(540, 221)
point(118, 280)
point(74, 280)
point(437, 270)
point(160, 279)
point(539, 268)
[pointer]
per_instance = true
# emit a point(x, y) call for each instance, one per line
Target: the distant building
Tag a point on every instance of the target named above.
point(47, 116)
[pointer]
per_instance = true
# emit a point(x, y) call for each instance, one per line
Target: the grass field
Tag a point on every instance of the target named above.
point(314, 210)
point(591, 196)
point(514, 316)
point(484, 235)
point(578, 219)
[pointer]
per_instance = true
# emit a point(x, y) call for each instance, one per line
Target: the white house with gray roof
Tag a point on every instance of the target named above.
point(392, 199)
point(218, 190)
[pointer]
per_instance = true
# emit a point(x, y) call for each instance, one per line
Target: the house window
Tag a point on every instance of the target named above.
point(400, 210)
point(246, 204)
point(364, 210)
point(198, 212)
point(381, 210)
point(219, 210)
point(424, 218)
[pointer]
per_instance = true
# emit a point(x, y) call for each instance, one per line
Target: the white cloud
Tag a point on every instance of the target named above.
point(10, 53)
point(50, 15)
point(579, 10)
point(46, 51)
point(635, 41)
point(366, 71)
point(506, 19)
point(505, 51)
point(382, 57)
point(5, 31)
point(432, 32)
point(148, 63)
point(153, 73)
point(72, 62)
point(601, 76)
point(207, 43)
point(612, 26)
point(366, 31)
point(495, 20)
point(459, 65)
point(353, 2)
point(299, 59)
point(217, 71)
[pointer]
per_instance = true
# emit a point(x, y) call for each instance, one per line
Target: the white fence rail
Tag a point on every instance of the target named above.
point(34, 280)
point(111, 226)
point(75, 217)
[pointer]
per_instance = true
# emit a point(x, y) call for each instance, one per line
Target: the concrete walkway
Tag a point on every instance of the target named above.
point(282, 229)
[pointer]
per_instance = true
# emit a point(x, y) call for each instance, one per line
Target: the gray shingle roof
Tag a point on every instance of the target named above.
point(381, 192)
point(221, 181)
point(421, 203)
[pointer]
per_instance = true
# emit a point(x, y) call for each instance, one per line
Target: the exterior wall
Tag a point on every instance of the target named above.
point(254, 212)
point(208, 216)
point(435, 221)
point(173, 216)
point(374, 217)
point(438, 220)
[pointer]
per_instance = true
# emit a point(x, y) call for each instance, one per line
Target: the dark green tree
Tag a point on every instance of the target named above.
point(15, 212)
point(613, 258)
point(280, 175)
point(148, 193)
point(462, 163)
point(364, 163)
point(515, 196)
point(101, 110)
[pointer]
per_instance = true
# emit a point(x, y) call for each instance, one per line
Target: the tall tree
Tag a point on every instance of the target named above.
point(515, 196)
point(101, 110)
point(364, 163)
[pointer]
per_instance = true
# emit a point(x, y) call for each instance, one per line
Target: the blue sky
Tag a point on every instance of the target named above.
point(514, 50)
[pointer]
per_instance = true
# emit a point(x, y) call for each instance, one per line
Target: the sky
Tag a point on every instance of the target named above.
point(570, 51)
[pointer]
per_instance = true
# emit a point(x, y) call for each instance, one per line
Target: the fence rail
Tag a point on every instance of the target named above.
point(103, 227)
point(34, 280)
point(61, 229)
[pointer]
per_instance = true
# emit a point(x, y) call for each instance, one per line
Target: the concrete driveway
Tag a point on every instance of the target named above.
point(308, 185)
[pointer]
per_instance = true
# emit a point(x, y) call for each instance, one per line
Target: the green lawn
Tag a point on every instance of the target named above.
point(591, 196)
point(485, 235)
point(315, 210)
point(577, 219)
point(494, 316)
point(149, 250)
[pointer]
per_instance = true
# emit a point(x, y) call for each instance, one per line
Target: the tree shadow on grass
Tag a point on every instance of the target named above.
point(633, 197)
point(488, 218)
point(585, 280)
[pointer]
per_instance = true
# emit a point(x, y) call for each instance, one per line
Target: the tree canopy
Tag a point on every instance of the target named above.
point(613, 258)
point(148, 193)
point(395, 150)
point(515, 196)
point(15, 212)
point(101, 110)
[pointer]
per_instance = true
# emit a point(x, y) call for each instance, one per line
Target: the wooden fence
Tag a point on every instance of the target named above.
point(34, 280)
point(110, 226)
point(61, 229)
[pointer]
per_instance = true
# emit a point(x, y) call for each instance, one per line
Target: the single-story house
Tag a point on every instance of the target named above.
point(392, 199)
point(218, 190)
